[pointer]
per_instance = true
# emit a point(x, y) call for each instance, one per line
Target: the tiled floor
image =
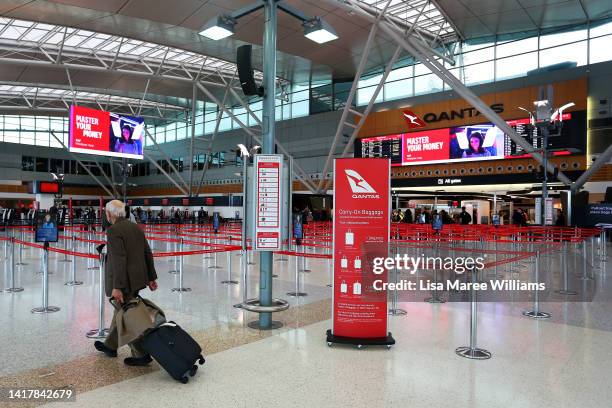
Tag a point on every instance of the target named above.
point(561, 362)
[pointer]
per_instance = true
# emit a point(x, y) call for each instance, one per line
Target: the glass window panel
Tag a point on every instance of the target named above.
point(57, 125)
point(571, 52)
point(27, 163)
point(226, 123)
point(42, 123)
point(171, 132)
point(300, 109)
point(279, 113)
point(516, 47)
point(364, 95)
point(181, 131)
point(11, 122)
point(398, 89)
point(515, 66)
point(287, 111)
point(550, 40)
point(600, 49)
point(479, 73)
point(420, 69)
point(55, 143)
point(427, 84)
point(11, 136)
point(474, 57)
point(601, 29)
point(42, 138)
point(28, 138)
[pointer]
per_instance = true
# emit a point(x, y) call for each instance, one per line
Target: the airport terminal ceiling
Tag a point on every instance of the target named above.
point(146, 32)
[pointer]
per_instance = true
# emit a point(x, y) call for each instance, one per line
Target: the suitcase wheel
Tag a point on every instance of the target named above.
point(201, 360)
point(184, 380)
point(193, 371)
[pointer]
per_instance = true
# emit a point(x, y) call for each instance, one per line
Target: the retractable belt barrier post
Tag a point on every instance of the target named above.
point(472, 351)
point(73, 281)
point(566, 290)
point(394, 310)
point(172, 246)
point(181, 288)
point(536, 313)
point(65, 238)
point(12, 288)
point(45, 308)
point(297, 292)
point(22, 239)
point(101, 332)
point(585, 273)
point(214, 266)
point(229, 280)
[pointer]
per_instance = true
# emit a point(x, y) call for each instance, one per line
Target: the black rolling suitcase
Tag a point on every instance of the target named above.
point(175, 350)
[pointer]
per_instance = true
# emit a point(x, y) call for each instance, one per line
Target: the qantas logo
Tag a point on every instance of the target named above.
point(412, 120)
point(360, 187)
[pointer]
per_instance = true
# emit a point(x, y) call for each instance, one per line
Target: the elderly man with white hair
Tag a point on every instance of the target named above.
point(129, 268)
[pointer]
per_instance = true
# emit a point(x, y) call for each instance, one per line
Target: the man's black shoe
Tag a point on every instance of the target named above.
point(138, 361)
point(106, 350)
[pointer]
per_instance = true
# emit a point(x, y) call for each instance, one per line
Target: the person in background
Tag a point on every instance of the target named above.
point(446, 219)
point(129, 269)
point(427, 214)
point(408, 216)
point(517, 217)
point(465, 217)
point(129, 215)
point(560, 221)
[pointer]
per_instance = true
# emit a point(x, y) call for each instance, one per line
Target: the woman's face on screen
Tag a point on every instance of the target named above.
point(475, 143)
point(125, 132)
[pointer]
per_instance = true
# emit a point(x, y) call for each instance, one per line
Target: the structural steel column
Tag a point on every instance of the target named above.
point(269, 122)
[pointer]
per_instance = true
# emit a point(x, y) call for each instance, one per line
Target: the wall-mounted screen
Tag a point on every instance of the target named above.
point(104, 133)
point(477, 142)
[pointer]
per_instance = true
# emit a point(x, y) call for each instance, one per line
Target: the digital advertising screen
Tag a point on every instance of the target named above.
point(104, 133)
point(45, 228)
point(483, 141)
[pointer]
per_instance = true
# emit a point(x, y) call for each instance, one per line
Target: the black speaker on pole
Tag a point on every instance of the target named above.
point(245, 71)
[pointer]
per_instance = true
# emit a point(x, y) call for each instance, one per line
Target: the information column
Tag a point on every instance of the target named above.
point(268, 184)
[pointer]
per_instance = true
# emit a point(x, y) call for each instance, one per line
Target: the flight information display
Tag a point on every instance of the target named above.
point(483, 141)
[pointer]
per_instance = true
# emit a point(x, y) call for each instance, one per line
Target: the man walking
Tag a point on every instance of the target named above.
point(129, 268)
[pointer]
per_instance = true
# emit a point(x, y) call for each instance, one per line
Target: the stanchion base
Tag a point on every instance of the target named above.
point(297, 294)
point(566, 292)
point(329, 285)
point(65, 260)
point(42, 273)
point(273, 326)
point(274, 275)
point(585, 278)
point(11, 290)
point(229, 282)
point(21, 264)
point(360, 342)
point(536, 315)
point(250, 263)
point(92, 268)
point(435, 299)
point(282, 260)
point(73, 283)
point(97, 334)
point(305, 270)
point(181, 289)
point(473, 353)
point(397, 312)
point(48, 309)
point(214, 267)
point(173, 272)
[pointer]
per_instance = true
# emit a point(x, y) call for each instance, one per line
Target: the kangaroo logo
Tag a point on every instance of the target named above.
point(412, 120)
point(358, 183)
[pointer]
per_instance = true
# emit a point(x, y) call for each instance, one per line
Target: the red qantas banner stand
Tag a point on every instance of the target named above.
point(361, 218)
